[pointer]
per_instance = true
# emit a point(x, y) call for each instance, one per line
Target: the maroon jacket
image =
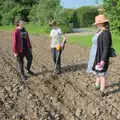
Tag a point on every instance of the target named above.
point(17, 42)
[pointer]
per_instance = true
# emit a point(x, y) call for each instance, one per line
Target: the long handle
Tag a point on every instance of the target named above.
point(56, 62)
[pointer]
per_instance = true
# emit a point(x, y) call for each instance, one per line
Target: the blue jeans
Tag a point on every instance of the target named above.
point(54, 55)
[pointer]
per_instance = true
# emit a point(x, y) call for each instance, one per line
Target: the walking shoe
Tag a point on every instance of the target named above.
point(99, 94)
point(23, 78)
point(58, 72)
point(97, 87)
point(29, 72)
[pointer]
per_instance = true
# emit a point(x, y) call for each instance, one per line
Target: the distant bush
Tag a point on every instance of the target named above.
point(65, 20)
point(85, 16)
point(10, 9)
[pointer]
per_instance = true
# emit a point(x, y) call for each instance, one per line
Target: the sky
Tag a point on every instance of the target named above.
point(77, 3)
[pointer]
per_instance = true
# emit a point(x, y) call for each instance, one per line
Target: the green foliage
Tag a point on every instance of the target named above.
point(65, 16)
point(112, 11)
point(11, 10)
point(49, 10)
point(41, 12)
point(38, 12)
point(45, 11)
point(85, 16)
point(27, 2)
point(65, 28)
point(75, 20)
point(65, 19)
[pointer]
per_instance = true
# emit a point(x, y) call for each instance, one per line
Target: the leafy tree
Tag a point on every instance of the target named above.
point(27, 2)
point(112, 11)
point(86, 16)
point(49, 10)
point(10, 9)
point(75, 20)
point(65, 19)
point(45, 11)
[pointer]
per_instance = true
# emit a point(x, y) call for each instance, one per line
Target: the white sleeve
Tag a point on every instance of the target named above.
point(51, 33)
point(60, 31)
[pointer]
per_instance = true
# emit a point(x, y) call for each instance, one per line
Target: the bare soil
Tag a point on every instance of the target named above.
point(69, 96)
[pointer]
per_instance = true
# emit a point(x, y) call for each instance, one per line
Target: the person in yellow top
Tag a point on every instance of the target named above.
point(57, 44)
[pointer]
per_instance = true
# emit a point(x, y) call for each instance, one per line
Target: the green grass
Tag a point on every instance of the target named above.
point(89, 28)
point(116, 43)
point(86, 40)
point(34, 29)
point(30, 28)
point(10, 28)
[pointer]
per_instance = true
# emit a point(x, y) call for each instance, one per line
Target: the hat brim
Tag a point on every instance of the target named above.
point(101, 22)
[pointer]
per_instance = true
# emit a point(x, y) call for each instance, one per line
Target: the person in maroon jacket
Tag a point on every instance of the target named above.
point(21, 48)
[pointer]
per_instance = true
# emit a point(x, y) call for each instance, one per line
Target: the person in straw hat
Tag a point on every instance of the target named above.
point(100, 53)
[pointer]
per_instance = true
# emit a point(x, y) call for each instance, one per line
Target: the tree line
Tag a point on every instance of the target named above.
point(40, 12)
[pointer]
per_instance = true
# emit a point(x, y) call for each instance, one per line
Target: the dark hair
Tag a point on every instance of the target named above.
point(17, 21)
point(107, 25)
point(52, 23)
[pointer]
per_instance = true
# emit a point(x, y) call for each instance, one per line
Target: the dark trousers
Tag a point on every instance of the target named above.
point(20, 61)
point(54, 55)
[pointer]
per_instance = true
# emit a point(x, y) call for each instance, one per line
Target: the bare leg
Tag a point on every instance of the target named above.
point(97, 84)
point(102, 84)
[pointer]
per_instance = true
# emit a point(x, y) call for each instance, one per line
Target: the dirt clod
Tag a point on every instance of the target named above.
point(68, 96)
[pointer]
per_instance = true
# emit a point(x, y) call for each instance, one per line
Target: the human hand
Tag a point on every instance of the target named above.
point(102, 63)
point(100, 66)
point(30, 50)
point(15, 54)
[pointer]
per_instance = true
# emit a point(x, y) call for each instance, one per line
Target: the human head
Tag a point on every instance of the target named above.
point(19, 23)
point(107, 25)
point(53, 24)
point(101, 21)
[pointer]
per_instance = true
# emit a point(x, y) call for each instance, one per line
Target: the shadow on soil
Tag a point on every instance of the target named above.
point(75, 67)
point(115, 90)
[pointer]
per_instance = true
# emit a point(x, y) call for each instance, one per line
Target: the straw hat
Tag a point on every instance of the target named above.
point(100, 19)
